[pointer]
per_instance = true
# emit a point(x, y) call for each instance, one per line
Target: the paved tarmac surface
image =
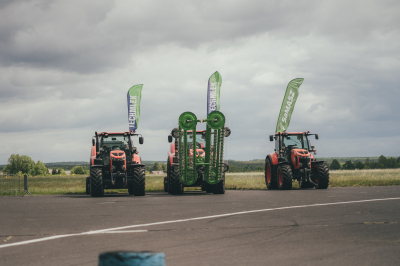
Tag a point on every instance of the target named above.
point(288, 228)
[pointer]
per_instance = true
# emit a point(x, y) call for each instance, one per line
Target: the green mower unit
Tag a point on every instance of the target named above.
point(195, 157)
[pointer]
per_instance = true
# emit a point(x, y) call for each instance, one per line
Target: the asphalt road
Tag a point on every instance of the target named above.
point(337, 226)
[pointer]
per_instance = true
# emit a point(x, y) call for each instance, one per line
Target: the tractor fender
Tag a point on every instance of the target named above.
point(92, 155)
point(137, 165)
point(172, 148)
point(316, 163)
point(171, 154)
point(273, 157)
point(170, 159)
point(136, 159)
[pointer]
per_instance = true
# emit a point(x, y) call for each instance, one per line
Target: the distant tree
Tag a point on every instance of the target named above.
point(164, 167)
point(246, 169)
point(54, 171)
point(17, 163)
point(367, 163)
point(391, 162)
point(78, 170)
point(335, 165)
point(259, 169)
point(359, 165)
point(62, 171)
point(156, 167)
point(232, 169)
point(40, 169)
point(348, 165)
point(382, 161)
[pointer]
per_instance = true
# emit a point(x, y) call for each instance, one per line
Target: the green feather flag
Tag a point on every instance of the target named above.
point(292, 91)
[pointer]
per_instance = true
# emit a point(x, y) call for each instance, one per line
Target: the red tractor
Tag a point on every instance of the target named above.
point(115, 164)
point(292, 160)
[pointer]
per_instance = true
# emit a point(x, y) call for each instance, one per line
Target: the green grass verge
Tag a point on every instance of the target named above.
point(236, 181)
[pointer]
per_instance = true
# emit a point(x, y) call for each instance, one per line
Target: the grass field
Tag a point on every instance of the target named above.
point(237, 181)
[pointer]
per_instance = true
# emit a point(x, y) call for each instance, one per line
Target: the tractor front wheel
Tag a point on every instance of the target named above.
point(270, 175)
point(175, 184)
point(138, 185)
point(284, 177)
point(96, 182)
point(321, 176)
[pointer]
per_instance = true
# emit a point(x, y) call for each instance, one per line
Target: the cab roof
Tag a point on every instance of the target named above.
point(293, 133)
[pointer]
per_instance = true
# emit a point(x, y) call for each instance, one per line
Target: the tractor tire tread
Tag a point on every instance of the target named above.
point(175, 184)
point(138, 185)
point(96, 182)
point(323, 176)
point(287, 177)
point(273, 184)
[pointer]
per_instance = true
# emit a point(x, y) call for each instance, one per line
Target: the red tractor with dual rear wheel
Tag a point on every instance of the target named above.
point(292, 160)
point(115, 164)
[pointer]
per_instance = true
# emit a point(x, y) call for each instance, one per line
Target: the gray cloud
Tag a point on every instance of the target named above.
point(66, 67)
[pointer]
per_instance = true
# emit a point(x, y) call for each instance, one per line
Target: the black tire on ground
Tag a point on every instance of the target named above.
point(220, 187)
point(96, 182)
point(284, 177)
point(88, 185)
point(270, 175)
point(321, 177)
point(138, 185)
point(166, 184)
point(175, 184)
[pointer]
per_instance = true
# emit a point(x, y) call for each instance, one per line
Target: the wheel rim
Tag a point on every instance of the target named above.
point(268, 173)
point(280, 177)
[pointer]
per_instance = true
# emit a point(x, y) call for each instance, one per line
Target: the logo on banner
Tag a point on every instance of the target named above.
point(212, 105)
point(132, 112)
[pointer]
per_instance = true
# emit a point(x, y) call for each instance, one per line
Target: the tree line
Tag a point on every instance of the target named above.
point(24, 165)
point(381, 163)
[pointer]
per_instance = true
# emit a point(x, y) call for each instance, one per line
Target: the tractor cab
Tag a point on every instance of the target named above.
point(288, 142)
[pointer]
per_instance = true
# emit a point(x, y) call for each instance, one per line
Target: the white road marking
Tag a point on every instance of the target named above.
point(109, 230)
point(124, 232)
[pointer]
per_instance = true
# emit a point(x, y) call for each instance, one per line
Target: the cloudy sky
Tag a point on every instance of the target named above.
point(66, 66)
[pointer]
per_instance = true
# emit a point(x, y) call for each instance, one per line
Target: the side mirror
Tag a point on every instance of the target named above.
point(316, 136)
point(141, 140)
point(93, 143)
point(271, 137)
point(227, 132)
point(169, 138)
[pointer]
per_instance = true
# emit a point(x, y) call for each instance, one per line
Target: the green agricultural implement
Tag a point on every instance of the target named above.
point(196, 156)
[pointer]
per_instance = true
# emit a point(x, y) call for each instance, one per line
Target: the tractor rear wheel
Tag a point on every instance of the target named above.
point(284, 177)
point(96, 182)
point(219, 188)
point(321, 176)
point(88, 185)
point(270, 175)
point(175, 184)
point(138, 185)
